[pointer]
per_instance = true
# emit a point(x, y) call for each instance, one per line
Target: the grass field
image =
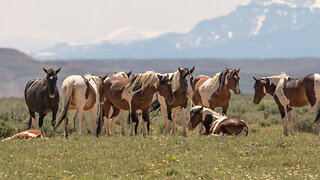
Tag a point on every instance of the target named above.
point(264, 154)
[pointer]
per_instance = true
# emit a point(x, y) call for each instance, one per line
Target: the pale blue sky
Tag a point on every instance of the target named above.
point(34, 24)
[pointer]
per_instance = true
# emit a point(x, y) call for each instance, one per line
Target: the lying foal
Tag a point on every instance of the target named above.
point(216, 123)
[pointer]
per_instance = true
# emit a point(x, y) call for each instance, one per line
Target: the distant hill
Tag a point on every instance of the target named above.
point(261, 29)
point(15, 73)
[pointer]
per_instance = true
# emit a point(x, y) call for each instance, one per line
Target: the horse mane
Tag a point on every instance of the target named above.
point(120, 74)
point(206, 111)
point(142, 81)
point(175, 80)
point(97, 80)
point(222, 78)
point(276, 79)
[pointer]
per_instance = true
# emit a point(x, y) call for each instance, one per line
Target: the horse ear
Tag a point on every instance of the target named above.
point(115, 72)
point(179, 69)
point(191, 71)
point(267, 81)
point(227, 70)
point(238, 70)
point(160, 76)
point(201, 108)
point(104, 77)
point(58, 70)
point(255, 78)
point(129, 73)
point(46, 71)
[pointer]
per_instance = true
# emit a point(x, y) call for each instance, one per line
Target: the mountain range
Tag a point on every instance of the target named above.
point(261, 29)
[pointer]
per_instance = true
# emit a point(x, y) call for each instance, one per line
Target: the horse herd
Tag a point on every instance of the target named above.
point(108, 97)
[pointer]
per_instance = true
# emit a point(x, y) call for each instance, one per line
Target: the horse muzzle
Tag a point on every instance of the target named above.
point(237, 92)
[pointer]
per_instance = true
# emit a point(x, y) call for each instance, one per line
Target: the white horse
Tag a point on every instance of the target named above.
point(81, 94)
point(108, 121)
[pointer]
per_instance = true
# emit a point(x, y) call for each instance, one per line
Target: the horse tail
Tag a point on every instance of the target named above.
point(66, 101)
point(154, 105)
point(100, 114)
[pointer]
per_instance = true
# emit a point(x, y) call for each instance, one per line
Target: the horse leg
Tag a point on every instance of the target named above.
point(32, 119)
point(121, 117)
point(163, 109)
point(66, 120)
point(134, 121)
point(290, 120)
point(224, 108)
point(183, 122)
point(41, 117)
point(53, 121)
point(284, 120)
point(317, 120)
point(173, 122)
point(145, 117)
point(94, 120)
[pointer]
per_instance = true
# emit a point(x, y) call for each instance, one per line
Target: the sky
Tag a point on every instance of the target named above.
point(31, 25)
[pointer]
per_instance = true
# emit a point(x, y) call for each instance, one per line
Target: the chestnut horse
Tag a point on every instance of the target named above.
point(288, 93)
point(107, 125)
point(135, 94)
point(81, 94)
point(215, 92)
point(42, 96)
point(181, 86)
point(28, 134)
point(216, 123)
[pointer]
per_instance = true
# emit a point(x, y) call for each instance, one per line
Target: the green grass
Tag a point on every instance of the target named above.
point(264, 154)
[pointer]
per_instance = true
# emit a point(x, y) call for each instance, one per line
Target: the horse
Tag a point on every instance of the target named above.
point(288, 93)
point(216, 123)
point(181, 87)
point(215, 92)
point(135, 94)
point(108, 114)
point(42, 96)
point(81, 94)
point(28, 134)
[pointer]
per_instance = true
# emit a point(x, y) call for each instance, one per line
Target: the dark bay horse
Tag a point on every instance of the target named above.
point(81, 94)
point(215, 92)
point(288, 93)
point(42, 96)
point(135, 94)
point(216, 123)
point(181, 81)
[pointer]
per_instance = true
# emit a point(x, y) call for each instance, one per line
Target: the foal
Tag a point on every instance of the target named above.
point(42, 96)
point(216, 123)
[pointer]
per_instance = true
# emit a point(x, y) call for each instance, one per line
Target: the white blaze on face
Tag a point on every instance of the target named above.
point(316, 91)
point(190, 89)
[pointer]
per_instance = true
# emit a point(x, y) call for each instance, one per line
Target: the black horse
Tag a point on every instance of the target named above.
point(42, 96)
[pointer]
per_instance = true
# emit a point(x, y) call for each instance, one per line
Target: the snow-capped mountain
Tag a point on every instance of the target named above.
point(261, 29)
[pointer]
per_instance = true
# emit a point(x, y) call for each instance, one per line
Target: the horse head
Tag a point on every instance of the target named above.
point(259, 89)
point(233, 80)
point(185, 77)
point(51, 79)
point(195, 117)
point(164, 88)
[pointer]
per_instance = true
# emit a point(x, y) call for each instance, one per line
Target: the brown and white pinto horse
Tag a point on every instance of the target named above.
point(108, 125)
point(216, 123)
point(135, 94)
point(215, 92)
point(28, 134)
point(289, 93)
point(81, 94)
point(181, 86)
